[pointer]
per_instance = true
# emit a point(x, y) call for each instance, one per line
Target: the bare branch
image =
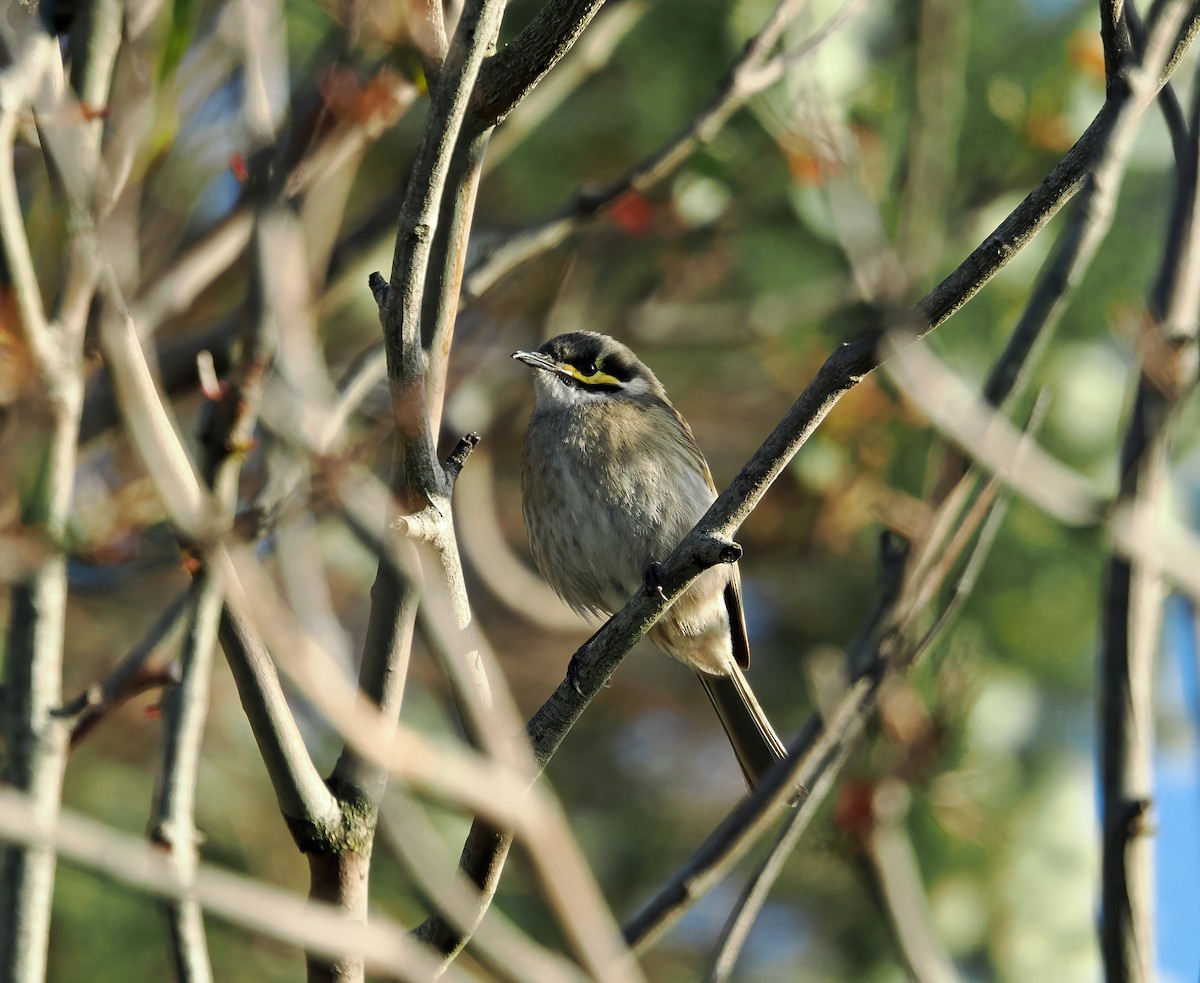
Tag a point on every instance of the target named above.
point(130, 677)
point(814, 759)
point(896, 875)
point(590, 54)
point(242, 900)
point(36, 739)
point(17, 86)
point(509, 75)
point(1168, 101)
point(1134, 591)
point(515, 957)
point(172, 821)
point(150, 425)
point(1114, 35)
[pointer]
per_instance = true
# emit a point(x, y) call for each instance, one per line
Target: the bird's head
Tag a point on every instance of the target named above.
point(585, 367)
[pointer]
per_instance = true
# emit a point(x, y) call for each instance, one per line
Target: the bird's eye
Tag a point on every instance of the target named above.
point(587, 369)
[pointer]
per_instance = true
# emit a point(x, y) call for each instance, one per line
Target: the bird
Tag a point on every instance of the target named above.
point(612, 480)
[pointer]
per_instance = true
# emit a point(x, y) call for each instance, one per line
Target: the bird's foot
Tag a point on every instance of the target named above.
point(654, 579)
point(574, 668)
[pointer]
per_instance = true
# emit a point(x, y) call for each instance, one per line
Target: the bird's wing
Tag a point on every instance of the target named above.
point(688, 441)
point(737, 620)
point(733, 590)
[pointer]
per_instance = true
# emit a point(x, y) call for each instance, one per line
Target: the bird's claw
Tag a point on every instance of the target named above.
point(654, 579)
point(573, 670)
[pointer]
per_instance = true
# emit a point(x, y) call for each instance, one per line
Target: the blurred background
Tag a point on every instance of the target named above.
point(848, 188)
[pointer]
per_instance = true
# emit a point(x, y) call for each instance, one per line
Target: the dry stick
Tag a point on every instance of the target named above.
point(495, 941)
point(306, 804)
point(36, 741)
point(303, 798)
point(465, 778)
point(1134, 593)
point(879, 650)
point(1115, 39)
point(895, 875)
point(129, 678)
point(172, 823)
point(342, 873)
point(459, 776)
point(745, 912)
point(417, 475)
point(1064, 494)
point(227, 434)
point(682, 890)
point(424, 287)
point(18, 84)
point(814, 757)
point(1168, 101)
point(708, 543)
point(241, 900)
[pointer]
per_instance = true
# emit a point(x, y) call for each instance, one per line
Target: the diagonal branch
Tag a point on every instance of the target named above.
point(510, 74)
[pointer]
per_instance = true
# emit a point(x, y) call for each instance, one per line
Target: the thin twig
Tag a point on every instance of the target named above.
point(36, 740)
point(417, 474)
point(746, 911)
point(878, 648)
point(1115, 38)
point(17, 86)
point(226, 436)
point(1134, 591)
point(895, 873)
point(237, 898)
point(172, 821)
point(1168, 101)
point(491, 718)
point(303, 798)
point(130, 676)
point(513, 955)
point(510, 74)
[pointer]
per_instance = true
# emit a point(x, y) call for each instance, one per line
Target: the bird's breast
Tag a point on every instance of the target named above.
point(604, 497)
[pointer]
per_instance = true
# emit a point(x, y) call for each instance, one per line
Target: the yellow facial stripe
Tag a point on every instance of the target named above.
point(597, 378)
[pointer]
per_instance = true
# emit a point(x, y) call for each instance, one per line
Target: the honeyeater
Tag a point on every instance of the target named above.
point(612, 480)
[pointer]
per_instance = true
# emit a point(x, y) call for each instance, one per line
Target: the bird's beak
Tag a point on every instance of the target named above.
point(536, 360)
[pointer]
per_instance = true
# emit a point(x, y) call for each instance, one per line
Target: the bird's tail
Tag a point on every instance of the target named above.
point(754, 740)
